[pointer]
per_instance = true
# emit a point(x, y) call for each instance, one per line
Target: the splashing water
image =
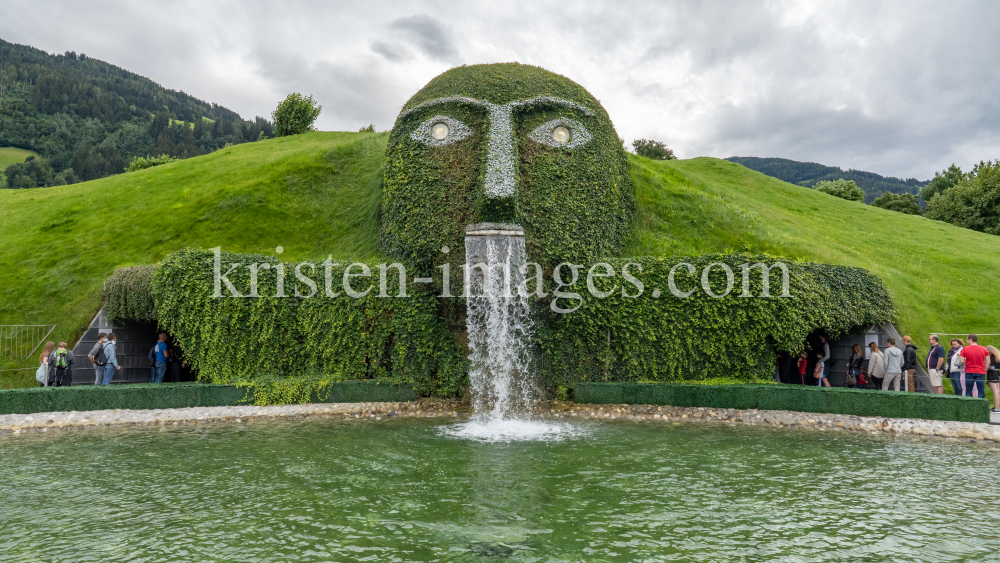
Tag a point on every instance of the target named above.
point(499, 325)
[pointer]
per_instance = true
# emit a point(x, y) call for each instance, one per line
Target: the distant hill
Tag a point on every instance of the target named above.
point(808, 173)
point(92, 117)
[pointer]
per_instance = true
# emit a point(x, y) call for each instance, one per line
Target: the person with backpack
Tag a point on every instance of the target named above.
point(935, 364)
point(893, 366)
point(819, 372)
point(42, 373)
point(158, 357)
point(61, 366)
point(98, 358)
point(112, 366)
point(975, 358)
point(956, 371)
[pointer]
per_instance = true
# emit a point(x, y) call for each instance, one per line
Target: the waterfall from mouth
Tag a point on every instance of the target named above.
point(499, 324)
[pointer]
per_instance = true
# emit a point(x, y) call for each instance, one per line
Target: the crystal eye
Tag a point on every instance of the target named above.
point(561, 134)
point(440, 130)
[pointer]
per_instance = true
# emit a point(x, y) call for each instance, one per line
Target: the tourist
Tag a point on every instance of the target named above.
point(893, 366)
point(935, 364)
point(160, 357)
point(99, 362)
point(956, 371)
point(819, 372)
point(42, 374)
point(854, 367)
point(826, 360)
point(112, 365)
point(909, 362)
point(974, 358)
point(876, 365)
point(803, 363)
point(61, 366)
point(993, 376)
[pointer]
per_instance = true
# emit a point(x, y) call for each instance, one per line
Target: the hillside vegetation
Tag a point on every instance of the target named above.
point(318, 193)
point(92, 117)
point(810, 173)
point(12, 155)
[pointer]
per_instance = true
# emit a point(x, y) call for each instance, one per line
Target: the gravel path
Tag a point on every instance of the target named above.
point(45, 422)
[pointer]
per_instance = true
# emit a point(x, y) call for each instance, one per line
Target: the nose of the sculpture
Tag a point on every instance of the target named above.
point(501, 162)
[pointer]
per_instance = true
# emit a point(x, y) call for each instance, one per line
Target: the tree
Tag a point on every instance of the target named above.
point(942, 181)
point(295, 114)
point(655, 150)
point(973, 203)
point(903, 203)
point(844, 189)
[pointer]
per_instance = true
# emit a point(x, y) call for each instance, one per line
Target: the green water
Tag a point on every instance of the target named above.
point(401, 490)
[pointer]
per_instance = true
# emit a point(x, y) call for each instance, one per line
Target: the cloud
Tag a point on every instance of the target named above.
point(428, 35)
point(901, 88)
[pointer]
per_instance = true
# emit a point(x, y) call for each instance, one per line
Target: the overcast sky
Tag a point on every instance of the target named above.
point(899, 88)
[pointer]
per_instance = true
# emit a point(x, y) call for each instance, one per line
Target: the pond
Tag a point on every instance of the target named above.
point(417, 490)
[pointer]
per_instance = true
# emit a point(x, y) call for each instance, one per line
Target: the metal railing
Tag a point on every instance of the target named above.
point(18, 342)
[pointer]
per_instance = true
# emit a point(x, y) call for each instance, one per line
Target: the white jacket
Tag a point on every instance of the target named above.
point(876, 365)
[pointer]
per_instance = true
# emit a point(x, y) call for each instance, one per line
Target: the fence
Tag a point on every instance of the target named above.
point(18, 342)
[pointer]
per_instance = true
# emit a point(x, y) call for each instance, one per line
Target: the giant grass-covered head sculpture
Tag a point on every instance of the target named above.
point(505, 143)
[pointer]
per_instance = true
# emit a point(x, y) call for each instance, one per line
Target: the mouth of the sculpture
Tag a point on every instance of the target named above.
point(494, 229)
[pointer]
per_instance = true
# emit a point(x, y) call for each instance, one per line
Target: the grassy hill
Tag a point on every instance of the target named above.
point(318, 193)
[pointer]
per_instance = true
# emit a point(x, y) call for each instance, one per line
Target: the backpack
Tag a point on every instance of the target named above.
point(61, 359)
point(100, 358)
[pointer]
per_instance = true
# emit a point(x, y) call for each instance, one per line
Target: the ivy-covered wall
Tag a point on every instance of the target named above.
point(671, 339)
point(288, 348)
point(573, 197)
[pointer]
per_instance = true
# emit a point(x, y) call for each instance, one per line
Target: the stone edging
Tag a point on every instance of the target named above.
point(18, 423)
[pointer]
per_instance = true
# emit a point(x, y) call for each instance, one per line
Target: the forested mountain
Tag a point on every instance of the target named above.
point(808, 173)
point(87, 118)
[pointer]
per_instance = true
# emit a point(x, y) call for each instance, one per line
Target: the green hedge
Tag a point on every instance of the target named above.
point(833, 400)
point(672, 339)
point(177, 395)
point(286, 349)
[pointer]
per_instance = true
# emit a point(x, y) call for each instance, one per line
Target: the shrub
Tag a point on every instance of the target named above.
point(142, 163)
point(973, 203)
point(844, 189)
point(128, 294)
point(655, 150)
point(903, 203)
point(669, 339)
point(370, 128)
point(295, 115)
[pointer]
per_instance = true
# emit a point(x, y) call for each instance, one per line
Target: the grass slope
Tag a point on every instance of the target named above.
point(12, 155)
point(318, 194)
point(313, 194)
